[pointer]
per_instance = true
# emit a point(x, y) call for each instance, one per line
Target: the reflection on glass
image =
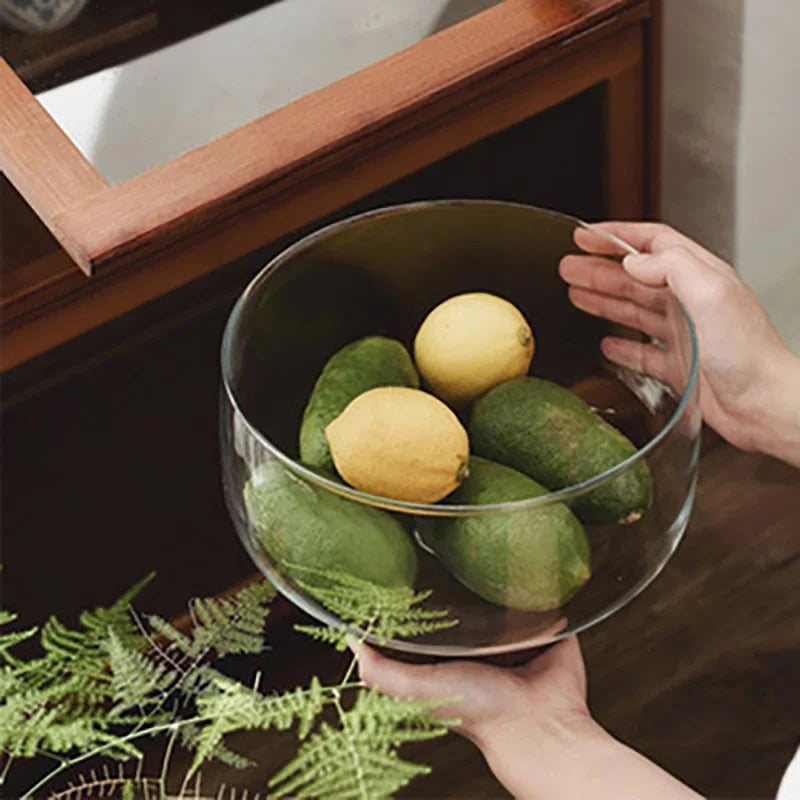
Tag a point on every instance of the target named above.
point(382, 273)
point(134, 116)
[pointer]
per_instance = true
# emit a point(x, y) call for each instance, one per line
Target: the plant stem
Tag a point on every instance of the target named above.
point(353, 754)
point(6, 768)
point(162, 778)
point(30, 794)
point(349, 671)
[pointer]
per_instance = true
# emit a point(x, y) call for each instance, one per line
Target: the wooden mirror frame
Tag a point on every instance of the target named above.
point(159, 230)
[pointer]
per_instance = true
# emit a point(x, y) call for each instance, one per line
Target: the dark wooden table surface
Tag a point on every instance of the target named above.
point(700, 673)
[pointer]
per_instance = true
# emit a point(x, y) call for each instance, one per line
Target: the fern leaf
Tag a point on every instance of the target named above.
point(385, 612)
point(174, 638)
point(236, 624)
point(59, 702)
point(106, 784)
point(360, 758)
point(135, 678)
point(391, 721)
point(233, 707)
point(222, 625)
point(6, 616)
point(24, 723)
point(9, 640)
point(12, 639)
point(336, 637)
point(191, 736)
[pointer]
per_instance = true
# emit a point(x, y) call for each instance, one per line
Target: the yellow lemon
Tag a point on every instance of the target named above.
point(470, 343)
point(399, 443)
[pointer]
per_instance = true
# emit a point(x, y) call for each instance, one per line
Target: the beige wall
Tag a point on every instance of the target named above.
point(702, 64)
point(768, 164)
point(731, 178)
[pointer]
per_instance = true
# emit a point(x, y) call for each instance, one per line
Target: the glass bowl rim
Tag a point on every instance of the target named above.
point(427, 509)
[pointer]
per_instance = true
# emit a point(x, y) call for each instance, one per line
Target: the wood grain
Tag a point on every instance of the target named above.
point(701, 673)
point(42, 162)
point(625, 143)
point(219, 179)
point(322, 184)
point(653, 62)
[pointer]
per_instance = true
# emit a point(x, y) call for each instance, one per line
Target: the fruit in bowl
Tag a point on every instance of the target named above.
point(529, 513)
point(470, 343)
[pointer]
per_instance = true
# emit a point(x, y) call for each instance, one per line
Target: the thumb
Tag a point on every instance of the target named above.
point(687, 276)
point(395, 678)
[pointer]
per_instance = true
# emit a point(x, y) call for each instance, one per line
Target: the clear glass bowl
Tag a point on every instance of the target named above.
point(381, 273)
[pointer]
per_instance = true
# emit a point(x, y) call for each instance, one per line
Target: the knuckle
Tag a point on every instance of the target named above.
point(664, 238)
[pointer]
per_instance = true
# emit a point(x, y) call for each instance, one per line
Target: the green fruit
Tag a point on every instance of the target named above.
point(360, 366)
point(531, 559)
point(550, 434)
point(313, 527)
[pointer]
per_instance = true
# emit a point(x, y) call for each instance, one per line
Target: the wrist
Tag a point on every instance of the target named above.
point(535, 758)
point(775, 419)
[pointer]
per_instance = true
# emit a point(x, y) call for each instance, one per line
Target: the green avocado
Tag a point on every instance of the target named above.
point(310, 526)
point(550, 434)
point(360, 366)
point(533, 559)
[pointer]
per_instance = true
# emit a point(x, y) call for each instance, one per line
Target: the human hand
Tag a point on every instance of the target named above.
point(531, 723)
point(749, 379)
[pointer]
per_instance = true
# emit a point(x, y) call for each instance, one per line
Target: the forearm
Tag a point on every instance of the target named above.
point(589, 763)
point(614, 771)
point(777, 421)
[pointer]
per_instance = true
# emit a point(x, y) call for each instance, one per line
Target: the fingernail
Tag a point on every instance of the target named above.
point(608, 346)
point(632, 259)
point(574, 277)
point(579, 282)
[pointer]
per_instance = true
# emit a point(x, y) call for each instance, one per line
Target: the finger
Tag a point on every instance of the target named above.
point(645, 358)
point(395, 678)
point(626, 312)
point(608, 277)
point(646, 237)
point(564, 656)
point(689, 279)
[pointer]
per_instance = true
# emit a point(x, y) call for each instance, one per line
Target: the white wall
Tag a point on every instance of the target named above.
point(731, 130)
point(701, 72)
point(768, 165)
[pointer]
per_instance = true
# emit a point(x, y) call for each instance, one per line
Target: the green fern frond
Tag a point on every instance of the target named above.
point(59, 701)
point(24, 723)
point(336, 637)
point(9, 683)
point(233, 707)
point(222, 625)
point(174, 638)
point(392, 722)
point(73, 650)
point(360, 759)
point(190, 735)
point(12, 639)
point(82, 734)
point(385, 612)
point(104, 783)
point(87, 644)
point(9, 640)
point(135, 678)
point(235, 624)
point(116, 616)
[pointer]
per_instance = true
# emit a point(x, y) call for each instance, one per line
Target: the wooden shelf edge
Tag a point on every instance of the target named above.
point(44, 165)
point(323, 187)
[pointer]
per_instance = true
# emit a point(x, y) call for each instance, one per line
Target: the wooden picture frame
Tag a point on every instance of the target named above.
point(161, 229)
